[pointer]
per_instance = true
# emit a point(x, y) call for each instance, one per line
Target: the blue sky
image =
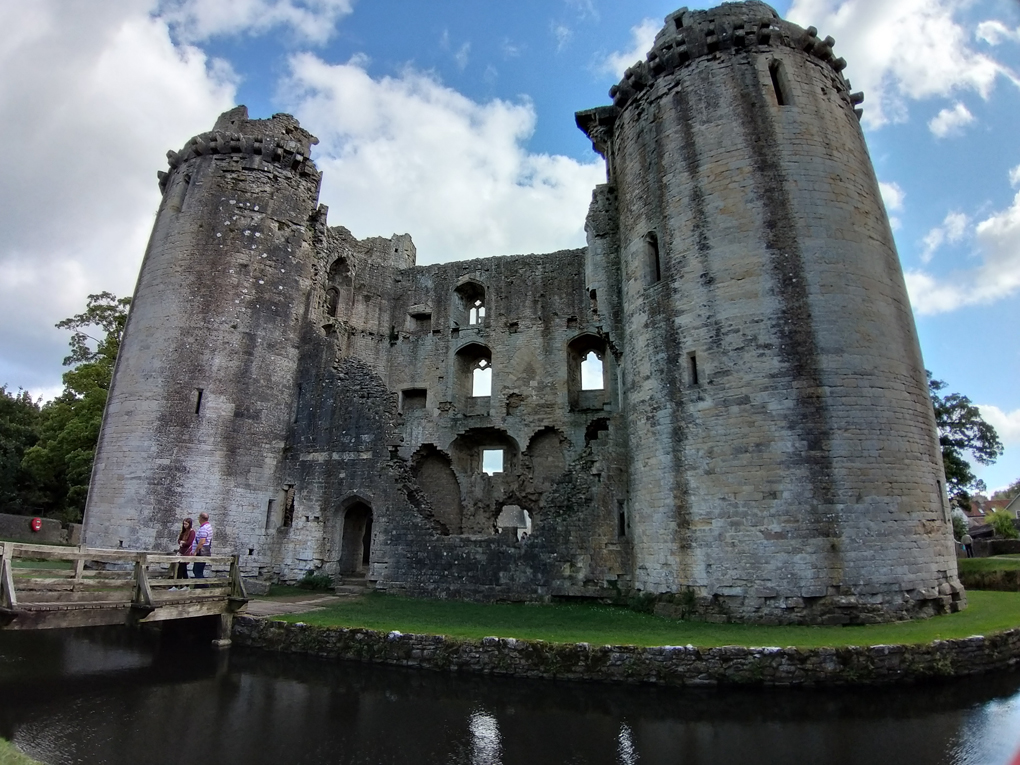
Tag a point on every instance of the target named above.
point(452, 120)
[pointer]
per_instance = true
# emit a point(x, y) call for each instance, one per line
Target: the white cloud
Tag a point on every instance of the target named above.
point(1014, 176)
point(1006, 424)
point(461, 56)
point(902, 51)
point(950, 121)
point(893, 196)
point(409, 154)
point(642, 38)
point(94, 96)
point(998, 245)
point(953, 227)
point(313, 21)
point(562, 33)
point(994, 32)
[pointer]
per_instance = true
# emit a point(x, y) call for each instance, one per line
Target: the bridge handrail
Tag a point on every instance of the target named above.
point(103, 555)
point(141, 596)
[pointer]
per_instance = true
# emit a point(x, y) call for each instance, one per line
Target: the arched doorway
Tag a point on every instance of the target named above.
point(356, 539)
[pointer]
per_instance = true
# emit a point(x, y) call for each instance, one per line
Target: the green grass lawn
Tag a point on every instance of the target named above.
point(28, 563)
point(996, 563)
point(10, 755)
point(610, 625)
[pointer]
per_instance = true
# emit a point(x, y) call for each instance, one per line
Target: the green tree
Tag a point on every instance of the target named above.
point(1009, 492)
point(960, 526)
point(61, 463)
point(962, 430)
point(19, 430)
point(1002, 523)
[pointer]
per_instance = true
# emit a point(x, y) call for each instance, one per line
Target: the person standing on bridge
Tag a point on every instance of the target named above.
point(203, 544)
point(185, 546)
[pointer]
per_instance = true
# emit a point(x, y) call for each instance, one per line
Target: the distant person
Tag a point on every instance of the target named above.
point(185, 546)
point(203, 545)
point(968, 545)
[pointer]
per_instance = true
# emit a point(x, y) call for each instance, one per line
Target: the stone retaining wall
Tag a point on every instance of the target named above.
point(18, 528)
point(667, 665)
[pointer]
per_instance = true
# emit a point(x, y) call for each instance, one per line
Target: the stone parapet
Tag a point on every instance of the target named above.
point(659, 665)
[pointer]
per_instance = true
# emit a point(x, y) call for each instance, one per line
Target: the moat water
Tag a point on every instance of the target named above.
point(122, 696)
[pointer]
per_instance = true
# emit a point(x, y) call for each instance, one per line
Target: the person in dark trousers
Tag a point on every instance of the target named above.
point(185, 546)
point(203, 545)
point(968, 545)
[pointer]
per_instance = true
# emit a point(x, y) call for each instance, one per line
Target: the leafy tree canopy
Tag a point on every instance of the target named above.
point(60, 464)
point(19, 430)
point(962, 431)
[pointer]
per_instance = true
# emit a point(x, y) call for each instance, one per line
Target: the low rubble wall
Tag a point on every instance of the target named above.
point(665, 665)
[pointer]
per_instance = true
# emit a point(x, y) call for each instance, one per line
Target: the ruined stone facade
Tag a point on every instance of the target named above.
point(719, 401)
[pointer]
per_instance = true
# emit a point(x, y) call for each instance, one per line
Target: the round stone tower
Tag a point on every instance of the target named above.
point(204, 388)
point(784, 464)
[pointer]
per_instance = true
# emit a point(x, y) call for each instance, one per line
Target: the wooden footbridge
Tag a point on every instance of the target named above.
point(49, 587)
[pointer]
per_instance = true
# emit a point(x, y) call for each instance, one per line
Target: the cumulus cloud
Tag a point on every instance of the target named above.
point(950, 121)
point(1006, 424)
point(642, 37)
point(997, 241)
point(1014, 176)
point(994, 32)
point(893, 197)
point(409, 154)
point(95, 94)
point(903, 51)
point(952, 230)
point(312, 21)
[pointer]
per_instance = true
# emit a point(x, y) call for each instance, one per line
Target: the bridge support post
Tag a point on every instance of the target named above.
point(224, 625)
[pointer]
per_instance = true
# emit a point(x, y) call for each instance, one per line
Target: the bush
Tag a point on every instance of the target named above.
point(1002, 523)
point(313, 581)
point(959, 525)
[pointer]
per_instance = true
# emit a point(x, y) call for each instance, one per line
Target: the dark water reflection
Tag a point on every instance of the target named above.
point(120, 696)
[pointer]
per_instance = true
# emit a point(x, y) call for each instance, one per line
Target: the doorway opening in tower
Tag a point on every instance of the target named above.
point(356, 539)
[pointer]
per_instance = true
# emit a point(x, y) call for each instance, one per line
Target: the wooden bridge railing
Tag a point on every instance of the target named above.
point(45, 587)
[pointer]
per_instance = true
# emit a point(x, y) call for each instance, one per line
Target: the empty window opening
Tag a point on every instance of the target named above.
point(413, 399)
point(492, 461)
point(621, 524)
point(288, 505)
point(270, 513)
point(692, 361)
point(653, 270)
point(591, 372)
point(481, 379)
point(477, 312)
point(198, 399)
point(332, 301)
point(469, 305)
point(778, 83)
point(251, 550)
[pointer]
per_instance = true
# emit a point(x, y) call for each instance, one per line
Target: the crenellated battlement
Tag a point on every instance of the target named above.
point(732, 27)
point(279, 140)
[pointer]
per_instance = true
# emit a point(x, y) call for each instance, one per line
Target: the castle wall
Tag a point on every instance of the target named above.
point(386, 418)
point(783, 452)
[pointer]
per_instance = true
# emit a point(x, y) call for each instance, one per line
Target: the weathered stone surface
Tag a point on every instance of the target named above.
point(664, 665)
point(761, 446)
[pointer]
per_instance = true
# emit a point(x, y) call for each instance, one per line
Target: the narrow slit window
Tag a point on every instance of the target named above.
point(481, 379)
point(652, 265)
point(270, 513)
point(288, 505)
point(692, 361)
point(591, 372)
point(621, 528)
point(778, 78)
point(492, 461)
point(198, 399)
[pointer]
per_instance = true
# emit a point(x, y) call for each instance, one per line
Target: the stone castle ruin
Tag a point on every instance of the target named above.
point(720, 401)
